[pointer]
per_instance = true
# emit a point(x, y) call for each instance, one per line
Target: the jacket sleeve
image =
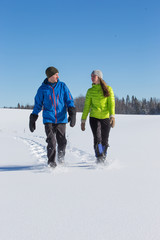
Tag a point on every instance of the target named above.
point(38, 102)
point(87, 106)
point(111, 102)
point(68, 97)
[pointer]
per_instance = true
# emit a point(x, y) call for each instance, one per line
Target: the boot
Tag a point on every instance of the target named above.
point(98, 149)
point(52, 164)
point(105, 151)
point(100, 159)
point(101, 152)
point(61, 155)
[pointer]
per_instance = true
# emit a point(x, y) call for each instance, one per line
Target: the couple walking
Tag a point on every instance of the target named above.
point(55, 99)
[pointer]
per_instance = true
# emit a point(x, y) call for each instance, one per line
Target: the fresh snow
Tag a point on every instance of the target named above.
point(80, 200)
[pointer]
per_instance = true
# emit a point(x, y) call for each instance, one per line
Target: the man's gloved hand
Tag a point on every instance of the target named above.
point(112, 121)
point(83, 126)
point(32, 122)
point(72, 116)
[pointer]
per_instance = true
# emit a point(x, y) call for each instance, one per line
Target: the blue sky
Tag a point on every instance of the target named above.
point(119, 37)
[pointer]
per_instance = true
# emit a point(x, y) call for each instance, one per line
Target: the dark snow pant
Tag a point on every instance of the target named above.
point(55, 134)
point(100, 129)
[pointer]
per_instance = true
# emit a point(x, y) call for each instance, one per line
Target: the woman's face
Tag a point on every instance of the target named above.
point(95, 79)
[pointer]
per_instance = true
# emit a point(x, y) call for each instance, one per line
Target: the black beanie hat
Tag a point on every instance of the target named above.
point(50, 71)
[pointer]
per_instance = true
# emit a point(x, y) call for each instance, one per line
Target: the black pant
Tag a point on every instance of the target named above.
point(100, 129)
point(55, 134)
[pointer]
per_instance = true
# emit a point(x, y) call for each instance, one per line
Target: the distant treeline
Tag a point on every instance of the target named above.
point(123, 106)
point(134, 106)
point(128, 106)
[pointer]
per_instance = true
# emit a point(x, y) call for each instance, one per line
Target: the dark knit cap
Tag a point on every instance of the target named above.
point(50, 71)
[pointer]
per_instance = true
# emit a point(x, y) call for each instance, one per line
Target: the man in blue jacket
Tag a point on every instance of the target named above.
point(55, 99)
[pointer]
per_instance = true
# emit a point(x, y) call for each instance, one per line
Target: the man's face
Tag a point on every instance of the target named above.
point(53, 78)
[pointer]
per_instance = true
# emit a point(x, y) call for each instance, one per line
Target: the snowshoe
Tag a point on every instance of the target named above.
point(61, 156)
point(101, 159)
point(60, 160)
point(52, 164)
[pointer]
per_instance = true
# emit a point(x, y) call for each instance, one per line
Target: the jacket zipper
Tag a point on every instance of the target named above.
point(57, 100)
point(54, 105)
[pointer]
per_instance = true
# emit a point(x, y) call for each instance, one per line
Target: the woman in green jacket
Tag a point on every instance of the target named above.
point(100, 103)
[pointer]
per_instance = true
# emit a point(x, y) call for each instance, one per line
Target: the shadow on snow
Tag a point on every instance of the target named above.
point(21, 168)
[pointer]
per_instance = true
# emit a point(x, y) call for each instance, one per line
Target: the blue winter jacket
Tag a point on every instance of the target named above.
point(54, 101)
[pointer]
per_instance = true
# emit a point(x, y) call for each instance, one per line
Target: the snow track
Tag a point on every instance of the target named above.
point(36, 148)
point(74, 158)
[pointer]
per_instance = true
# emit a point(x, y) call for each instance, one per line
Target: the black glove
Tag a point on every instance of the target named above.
point(72, 116)
point(32, 122)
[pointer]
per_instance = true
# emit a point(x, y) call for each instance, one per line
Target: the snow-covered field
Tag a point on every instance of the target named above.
point(80, 201)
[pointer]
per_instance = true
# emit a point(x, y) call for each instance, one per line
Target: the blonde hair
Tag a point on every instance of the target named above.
point(104, 87)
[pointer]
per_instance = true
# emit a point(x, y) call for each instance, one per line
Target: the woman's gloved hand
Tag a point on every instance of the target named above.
point(83, 126)
point(112, 121)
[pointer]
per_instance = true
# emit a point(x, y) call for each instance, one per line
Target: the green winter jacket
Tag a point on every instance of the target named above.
point(99, 106)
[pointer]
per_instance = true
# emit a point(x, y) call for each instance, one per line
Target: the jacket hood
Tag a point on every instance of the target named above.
point(45, 82)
